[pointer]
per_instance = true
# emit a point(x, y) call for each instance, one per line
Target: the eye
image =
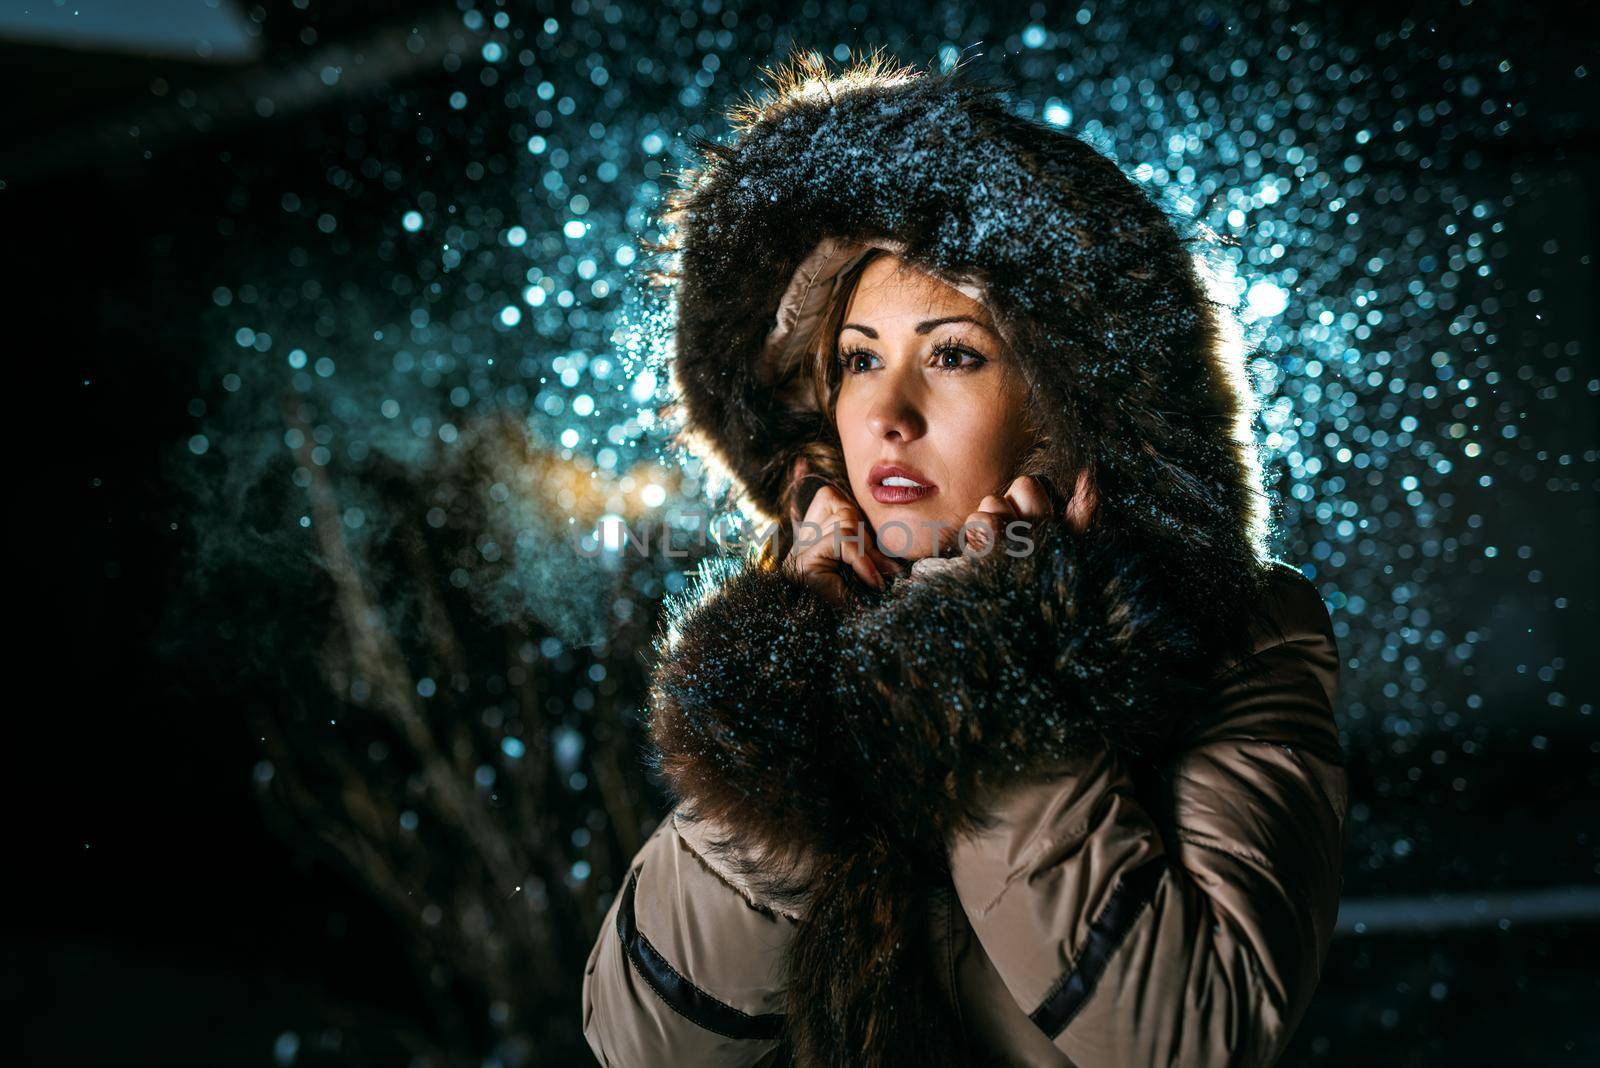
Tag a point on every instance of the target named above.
point(950, 356)
point(848, 359)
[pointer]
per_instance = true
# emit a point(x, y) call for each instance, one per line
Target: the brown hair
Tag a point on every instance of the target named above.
point(820, 369)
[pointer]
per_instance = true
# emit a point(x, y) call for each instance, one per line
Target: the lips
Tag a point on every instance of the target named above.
point(898, 484)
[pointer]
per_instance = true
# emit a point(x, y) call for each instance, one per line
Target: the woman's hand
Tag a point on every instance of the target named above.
point(833, 537)
point(1026, 499)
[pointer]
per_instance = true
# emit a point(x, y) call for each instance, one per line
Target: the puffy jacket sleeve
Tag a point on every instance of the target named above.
point(1186, 924)
point(685, 968)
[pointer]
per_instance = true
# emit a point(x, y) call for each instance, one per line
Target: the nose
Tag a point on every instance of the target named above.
point(896, 412)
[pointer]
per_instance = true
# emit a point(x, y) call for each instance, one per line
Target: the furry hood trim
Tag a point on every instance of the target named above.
point(1139, 377)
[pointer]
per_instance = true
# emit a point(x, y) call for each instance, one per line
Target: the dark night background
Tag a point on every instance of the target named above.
point(210, 769)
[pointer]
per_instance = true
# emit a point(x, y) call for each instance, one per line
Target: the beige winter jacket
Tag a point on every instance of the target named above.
point(1117, 913)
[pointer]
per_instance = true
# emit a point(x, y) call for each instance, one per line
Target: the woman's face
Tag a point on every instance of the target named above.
point(922, 389)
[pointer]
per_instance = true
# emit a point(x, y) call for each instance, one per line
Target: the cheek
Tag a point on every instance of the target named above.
point(980, 442)
point(846, 414)
point(850, 422)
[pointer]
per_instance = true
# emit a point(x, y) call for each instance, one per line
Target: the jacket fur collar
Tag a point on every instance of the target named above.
point(844, 746)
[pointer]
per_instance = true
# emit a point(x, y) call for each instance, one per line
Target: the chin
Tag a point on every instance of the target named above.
point(902, 521)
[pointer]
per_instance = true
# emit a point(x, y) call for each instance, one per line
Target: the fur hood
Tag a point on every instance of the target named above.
point(1138, 375)
point(845, 745)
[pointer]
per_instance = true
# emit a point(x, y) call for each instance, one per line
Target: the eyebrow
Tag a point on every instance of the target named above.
point(922, 327)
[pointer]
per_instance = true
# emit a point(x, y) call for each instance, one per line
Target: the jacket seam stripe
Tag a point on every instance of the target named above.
point(1254, 860)
point(1133, 892)
point(739, 886)
point(1026, 869)
point(679, 993)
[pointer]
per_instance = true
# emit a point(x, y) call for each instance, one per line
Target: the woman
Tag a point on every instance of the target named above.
point(968, 773)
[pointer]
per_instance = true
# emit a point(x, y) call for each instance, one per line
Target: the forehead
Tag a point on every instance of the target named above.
point(891, 289)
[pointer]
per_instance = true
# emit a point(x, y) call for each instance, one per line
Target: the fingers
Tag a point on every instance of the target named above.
point(1029, 498)
point(827, 502)
point(859, 547)
point(1032, 499)
point(835, 518)
point(826, 508)
point(982, 529)
point(839, 546)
